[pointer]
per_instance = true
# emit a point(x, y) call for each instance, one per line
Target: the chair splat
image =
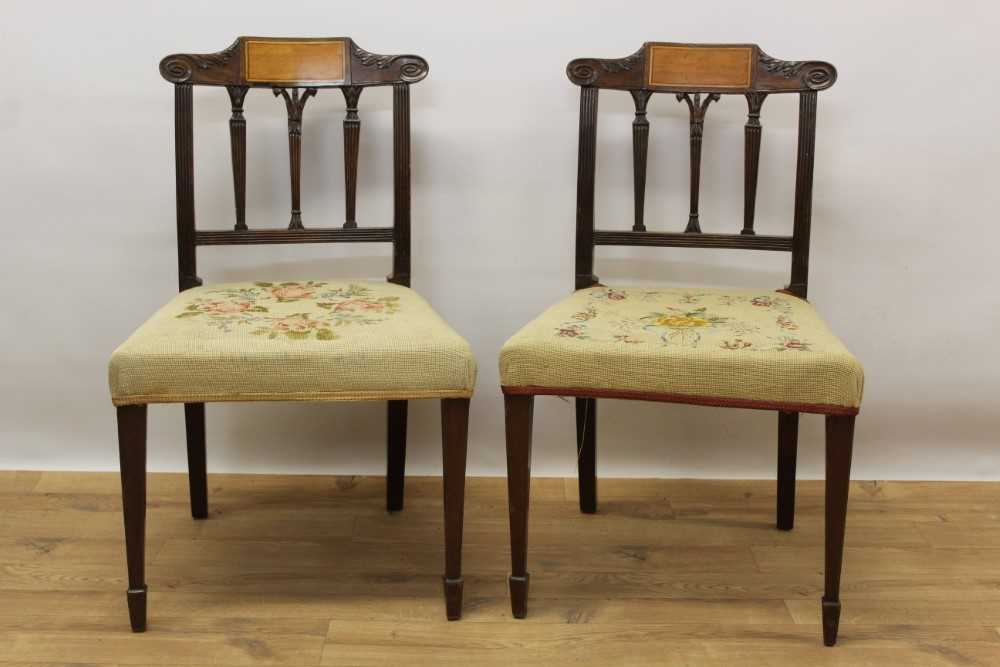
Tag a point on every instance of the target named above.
point(697, 107)
point(752, 131)
point(295, 103)
point(238, 147)
point(640, 148)
point(352, 137)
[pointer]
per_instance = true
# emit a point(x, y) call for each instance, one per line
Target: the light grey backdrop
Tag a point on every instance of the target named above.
point(904, 232)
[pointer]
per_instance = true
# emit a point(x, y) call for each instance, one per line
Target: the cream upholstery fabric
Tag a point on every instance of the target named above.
point(316, 341)
point(758, 348)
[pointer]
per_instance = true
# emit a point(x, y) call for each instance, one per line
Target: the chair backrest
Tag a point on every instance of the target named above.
point(293, 69)
point(698, 74)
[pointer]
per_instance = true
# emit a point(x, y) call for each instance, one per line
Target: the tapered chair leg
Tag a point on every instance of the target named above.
point(518, 411)
point(132, 459)
point(839, 443)
point(395, 456)
point(455, 431)
point(586, 452)
point(194, 426)
point(788, 442)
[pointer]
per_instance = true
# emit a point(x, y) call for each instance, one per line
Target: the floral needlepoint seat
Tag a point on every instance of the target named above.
point(739, 348)
point(315, 340)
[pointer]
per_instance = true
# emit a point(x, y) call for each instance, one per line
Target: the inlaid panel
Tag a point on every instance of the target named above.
point(700, 66)
point(291, 61)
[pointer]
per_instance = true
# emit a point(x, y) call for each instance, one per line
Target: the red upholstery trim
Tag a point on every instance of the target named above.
point(712, 401)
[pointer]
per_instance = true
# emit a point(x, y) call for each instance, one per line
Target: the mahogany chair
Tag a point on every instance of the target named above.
point(318, 340)
point(728, 348)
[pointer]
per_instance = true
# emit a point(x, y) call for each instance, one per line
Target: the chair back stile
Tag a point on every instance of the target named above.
point(295, 70)
point(698, 75)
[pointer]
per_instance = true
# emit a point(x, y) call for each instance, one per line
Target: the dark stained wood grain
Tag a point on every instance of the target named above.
point(586, 453)
point(352, 136)
point(751, 159)
point(788, 441)
point(640, 150)
point(585, 188)
point(132, 460)
point(697, 108)
point(238, 147)
point(839, 444)
point(454, 436)
point(194, 431)
point(395, 455)
point(518, 412)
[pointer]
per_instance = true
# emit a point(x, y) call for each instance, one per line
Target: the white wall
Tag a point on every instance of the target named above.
point(904, 232)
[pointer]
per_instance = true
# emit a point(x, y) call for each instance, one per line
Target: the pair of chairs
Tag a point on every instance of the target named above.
point(328, 340)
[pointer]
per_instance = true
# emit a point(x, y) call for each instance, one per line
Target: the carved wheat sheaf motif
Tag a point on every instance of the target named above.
point(373, 59)
point(623, 64)
point(216, 59)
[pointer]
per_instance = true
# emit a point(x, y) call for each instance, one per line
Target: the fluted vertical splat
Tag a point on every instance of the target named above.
point(751, 160)
point(803, 193)
point(401, 183)
point(585, 188)
point(352, 136)
point(697, 107)
point(294, 103)
point(238, 148)
point(640, 146)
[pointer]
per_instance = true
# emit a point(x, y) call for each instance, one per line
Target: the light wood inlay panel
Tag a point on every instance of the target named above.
point(309, 570)
point(700, 66)
point(270, 61)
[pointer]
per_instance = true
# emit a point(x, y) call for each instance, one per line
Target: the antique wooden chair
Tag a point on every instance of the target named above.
point(320, 340)
point(730, 348)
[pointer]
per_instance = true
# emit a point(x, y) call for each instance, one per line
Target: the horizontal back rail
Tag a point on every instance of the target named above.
point(689, 240)
point(280, 62)
point(279, 236)
point(708, 68)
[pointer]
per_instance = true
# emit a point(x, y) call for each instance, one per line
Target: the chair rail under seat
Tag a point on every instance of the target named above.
point(685, 399)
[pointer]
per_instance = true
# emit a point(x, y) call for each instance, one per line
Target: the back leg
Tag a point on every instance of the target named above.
point(395, 456)
point(788, 439)
point(586, 452)
point(194, 426)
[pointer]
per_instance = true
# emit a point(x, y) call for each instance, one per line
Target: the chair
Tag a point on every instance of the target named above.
point(727, 348)
point(318, 340)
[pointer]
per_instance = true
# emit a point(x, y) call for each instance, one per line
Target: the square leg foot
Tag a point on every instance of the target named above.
point(519, 595)
point(453, 598)
point(831, 621)
point(137, 608)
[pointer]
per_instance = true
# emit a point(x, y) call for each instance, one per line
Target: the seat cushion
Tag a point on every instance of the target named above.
point(315, 340)
point(707, 346)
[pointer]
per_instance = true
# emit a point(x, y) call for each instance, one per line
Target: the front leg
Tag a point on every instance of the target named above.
point(839, 443)
point(518, 411)
point(455, 431)
point(132, 459)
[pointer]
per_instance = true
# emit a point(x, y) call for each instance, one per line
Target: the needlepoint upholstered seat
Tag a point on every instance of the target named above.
point(318, 340)
point(293, 341)
point(738, 348)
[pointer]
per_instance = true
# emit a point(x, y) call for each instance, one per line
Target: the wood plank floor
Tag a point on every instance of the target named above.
point(296, 570)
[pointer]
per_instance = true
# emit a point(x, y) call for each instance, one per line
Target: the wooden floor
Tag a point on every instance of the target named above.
point(312, 571)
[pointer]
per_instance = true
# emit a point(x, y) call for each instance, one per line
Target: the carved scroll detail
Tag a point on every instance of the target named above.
point(411, 68)
point(180, 67)
point(813, 74)
point(614, 72)
point(697, 107)
point(295, 103)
